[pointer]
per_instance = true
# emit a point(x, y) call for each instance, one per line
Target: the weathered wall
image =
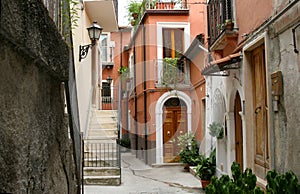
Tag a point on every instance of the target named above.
point(286, 121)
point(35, 151)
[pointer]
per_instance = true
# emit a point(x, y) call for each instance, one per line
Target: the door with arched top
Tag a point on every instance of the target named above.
point(238, 131)
point(174, 124)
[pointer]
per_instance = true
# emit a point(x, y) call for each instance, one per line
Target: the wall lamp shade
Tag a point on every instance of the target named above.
point(94, 32)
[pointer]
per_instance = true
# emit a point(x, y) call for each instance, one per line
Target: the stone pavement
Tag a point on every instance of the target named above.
point(138, 178)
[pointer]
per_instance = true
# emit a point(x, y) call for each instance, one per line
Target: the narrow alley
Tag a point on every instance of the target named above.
point(138, 178)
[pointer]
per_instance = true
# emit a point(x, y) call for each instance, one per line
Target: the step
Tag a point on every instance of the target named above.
point(100, 139)
point(102, 180)
point(104, 126)
point(103, 133)
point(107, 162)
point(105, 113)
point(97, 120)
point(101, 171)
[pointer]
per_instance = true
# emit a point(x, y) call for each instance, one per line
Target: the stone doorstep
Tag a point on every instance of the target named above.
point(166, 165)
point(102, 180)
point(192, 170)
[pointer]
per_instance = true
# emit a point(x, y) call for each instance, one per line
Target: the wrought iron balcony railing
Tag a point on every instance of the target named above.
point(159, 5)
point(172, 75)
point(219, 18)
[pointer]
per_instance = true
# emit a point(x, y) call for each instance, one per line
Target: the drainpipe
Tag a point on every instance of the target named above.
point(145, 94)
point(135, 102)
point(120, 91)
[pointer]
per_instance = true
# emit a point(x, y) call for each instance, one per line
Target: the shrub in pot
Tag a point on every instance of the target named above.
point(216, 130)
point(189, 152)
point(242, 182)
point(206, 169)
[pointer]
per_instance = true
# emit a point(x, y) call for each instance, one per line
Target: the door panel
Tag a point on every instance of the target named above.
point(238, 131)
point(174, 125)
point(260, 112)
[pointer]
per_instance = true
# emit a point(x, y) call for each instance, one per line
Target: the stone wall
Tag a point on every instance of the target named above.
point(286, 120)
point(35, 151)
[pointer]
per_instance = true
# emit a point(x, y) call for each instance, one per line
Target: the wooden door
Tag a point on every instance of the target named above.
point(238, 131)
point(261, 158)
point(174, 125)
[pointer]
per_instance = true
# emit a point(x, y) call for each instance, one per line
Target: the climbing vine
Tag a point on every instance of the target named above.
point(70, 17)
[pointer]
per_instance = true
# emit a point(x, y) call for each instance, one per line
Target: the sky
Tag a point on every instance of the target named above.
point(123, 19)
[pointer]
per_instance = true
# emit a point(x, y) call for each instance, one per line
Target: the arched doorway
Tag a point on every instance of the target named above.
point(238, 130)
point(174, 124)
point(159, 119)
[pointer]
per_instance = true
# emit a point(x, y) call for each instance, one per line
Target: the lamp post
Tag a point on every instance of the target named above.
point(94, 32)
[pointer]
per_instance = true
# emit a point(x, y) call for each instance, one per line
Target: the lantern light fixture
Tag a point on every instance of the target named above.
point(94, 32)
point(109, 79)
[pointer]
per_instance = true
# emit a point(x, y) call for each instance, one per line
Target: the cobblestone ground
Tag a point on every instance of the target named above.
point(138, 178)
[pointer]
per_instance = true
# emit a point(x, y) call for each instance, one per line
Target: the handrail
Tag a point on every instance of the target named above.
point(101, 154)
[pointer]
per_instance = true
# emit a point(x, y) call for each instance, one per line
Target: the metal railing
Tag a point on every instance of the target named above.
point(170, 75)
point(219, 13)
point(159, 5)
point(110, 102)
point(101, 154)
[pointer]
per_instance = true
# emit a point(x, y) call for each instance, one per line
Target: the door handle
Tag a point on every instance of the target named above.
point(257, 110)
point(169, 133)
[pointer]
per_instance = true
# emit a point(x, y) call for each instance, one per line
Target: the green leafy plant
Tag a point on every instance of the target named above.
point(242, 182)
point(125, 143)
point(206, 169)
point(216, 130)
point(133, 9)
point(171, 61)
point(189, 153)
point(171, 74)
point(123, 70)
point(284, 183)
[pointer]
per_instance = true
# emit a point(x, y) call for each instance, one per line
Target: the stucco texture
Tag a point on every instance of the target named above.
point(35, 151)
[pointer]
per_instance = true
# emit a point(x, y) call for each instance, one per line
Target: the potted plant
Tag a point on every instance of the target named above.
point(189, 154)
point(216, 130)
point(134, 9)
point(125, 144)
point(123, 70)
point(206, 169)
point(229, 24)
point(241, 182)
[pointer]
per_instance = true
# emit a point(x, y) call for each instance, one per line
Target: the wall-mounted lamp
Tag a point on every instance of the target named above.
point(109, 79)
point(94, 33)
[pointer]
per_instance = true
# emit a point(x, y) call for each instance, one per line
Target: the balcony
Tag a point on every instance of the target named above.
point(220, 23)
point(169, 74)
point(105, 12)
point(161, 6)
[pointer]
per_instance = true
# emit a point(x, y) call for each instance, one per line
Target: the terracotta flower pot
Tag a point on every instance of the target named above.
point(204, 183)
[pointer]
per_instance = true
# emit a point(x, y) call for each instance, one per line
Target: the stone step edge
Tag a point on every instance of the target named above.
point(102, 177)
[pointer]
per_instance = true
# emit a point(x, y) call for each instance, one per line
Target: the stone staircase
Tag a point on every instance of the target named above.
point(101, 152)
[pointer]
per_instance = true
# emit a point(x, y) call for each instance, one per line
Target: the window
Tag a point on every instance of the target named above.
point(173, 42)
point(106, 89)
point(104, 44)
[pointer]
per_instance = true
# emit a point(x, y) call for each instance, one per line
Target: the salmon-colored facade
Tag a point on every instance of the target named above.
point(152, 97)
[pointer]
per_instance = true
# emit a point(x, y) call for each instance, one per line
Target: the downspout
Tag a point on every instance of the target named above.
point(145, 93)
point(135, 102)
point(120, 90)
